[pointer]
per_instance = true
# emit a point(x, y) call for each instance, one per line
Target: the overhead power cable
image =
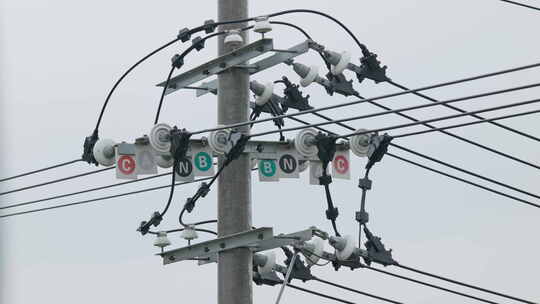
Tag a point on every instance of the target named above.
point(521, 4)
point(465, 284)
point(101, 198)
point(355, 290)
point(56, 181)
point(82, 191)
point(429, 285)
point(464, 180)
point(319, 294)
point(467, 123)
point(465, 171)
point(463, 111)
point(441, 162)
point(41, 170)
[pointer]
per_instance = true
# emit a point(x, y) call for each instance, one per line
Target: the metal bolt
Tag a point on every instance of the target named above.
point(206, 249)
point(260, 236)
point(222, 245)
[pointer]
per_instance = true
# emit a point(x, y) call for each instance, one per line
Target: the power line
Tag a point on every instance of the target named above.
point(56, 181)
point(429, 285)
point(465, 284)
point(372, 98)
point(464, 180)
point(467, 124)
point(41, 170)
point(101, 198)
point(82, 191)
point(319, 294)
point(355, 290)
point(443, 163)
point(521, 4)
point(464, 170)
point(463, 111)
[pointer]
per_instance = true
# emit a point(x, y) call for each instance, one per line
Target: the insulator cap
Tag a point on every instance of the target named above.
point(103, 152)
point(162, 240)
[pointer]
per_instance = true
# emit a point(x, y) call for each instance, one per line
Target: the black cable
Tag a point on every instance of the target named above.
point(521, 4)
point(181, 57)
point(41, 170)
point(429, 285)
point(165, 87)
point(464, 180)
point(319, 294)
point(383, 97)
point(171, 192)
point(464, 170)
point(182, 229)
point(56, 181)
point(463, 111)
point(467, 123)
point(82, 191)
point(355, 290)
point(330, 206)
point(465, 284)
point(100, 198)
point(431, 169)
point(125, 74)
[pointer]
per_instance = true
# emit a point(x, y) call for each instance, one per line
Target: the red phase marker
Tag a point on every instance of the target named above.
point(126, 164)
point(341, 164)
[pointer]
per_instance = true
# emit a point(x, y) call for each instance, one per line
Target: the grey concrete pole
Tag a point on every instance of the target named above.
point(234, 184)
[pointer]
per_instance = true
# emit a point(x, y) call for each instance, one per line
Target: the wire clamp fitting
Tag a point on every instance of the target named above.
point(299, 270)
point(378, 147)
point(177, 61)
point(155, 220)
point(370, 68)
point(235, 145)
point(339, 84)
point(293, 96)
point(179, 143)
point(198, 43)
point(362, 217)
point(376, 251)
point(88, 148)
point(209, 26)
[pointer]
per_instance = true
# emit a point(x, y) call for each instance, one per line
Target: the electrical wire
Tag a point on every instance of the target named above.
point(466, 124)
point(171, 192)
point(165, 87)
point(125, 74)
point(182, 229)
point(463, 111)
point(464, 284)
point(372, 98)
point(464, 170)
point(56, 181)
point(464, 180)
point(437, 171)
point(319, 294)
point(82, 191)
point(355, 290)
point(429, 285)
point(99, 198)
point(41, 170)
point(521, 4)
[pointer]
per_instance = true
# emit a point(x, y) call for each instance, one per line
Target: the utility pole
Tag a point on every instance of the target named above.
point(234, 183)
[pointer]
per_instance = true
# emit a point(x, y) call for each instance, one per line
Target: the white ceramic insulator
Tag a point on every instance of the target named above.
point(189, 233)
point(162, 240)
point(266, 95)
point(159, 138)
point(104, 152)
point(310, 77)
point(233, 39)
point(347, 251)
point(164, 161)
point(302, 142)
point(317, 250)
point(344, 61)
point(359, 144)
point(217, 140)
point(262, 26)
point(270, 263)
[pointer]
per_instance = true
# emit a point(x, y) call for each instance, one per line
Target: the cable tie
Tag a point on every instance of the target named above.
point(177, 61)
point(203, 190)
point(332, 213)
point(364, 183)
point(198, 43)
point(209, 26)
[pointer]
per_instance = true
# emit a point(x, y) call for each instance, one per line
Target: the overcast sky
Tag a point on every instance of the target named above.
point(60, 58)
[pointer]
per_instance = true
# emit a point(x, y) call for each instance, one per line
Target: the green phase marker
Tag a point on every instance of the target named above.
point(203, 161)
point(267, 167)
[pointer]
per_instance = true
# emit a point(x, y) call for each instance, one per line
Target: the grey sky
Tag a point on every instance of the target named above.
point(60, 58)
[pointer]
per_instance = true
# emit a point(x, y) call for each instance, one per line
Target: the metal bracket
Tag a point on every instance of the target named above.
point(280, 57)
point(220, 64)
point(260, 239)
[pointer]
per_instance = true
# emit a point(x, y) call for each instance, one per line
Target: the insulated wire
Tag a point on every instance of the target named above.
point(100, 198)
point(521, 4)
point(355, 290)
point(371, 99)
point(463, 111)
point(56, 181)
point(464, 284)
point(429, 285)
point(446, 164)
point(319, 294)
point(41, 170)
